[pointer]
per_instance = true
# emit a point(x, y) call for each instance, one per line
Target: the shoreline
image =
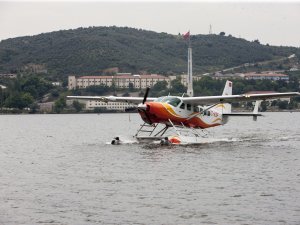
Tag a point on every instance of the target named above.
point(120, 112)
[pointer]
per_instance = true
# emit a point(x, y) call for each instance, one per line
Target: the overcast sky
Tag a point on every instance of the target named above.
point(276, 23)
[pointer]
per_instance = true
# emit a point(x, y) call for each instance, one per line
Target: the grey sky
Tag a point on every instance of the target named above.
point(274, 23)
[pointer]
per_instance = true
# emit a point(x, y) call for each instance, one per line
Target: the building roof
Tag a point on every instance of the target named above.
point(265, 75)
point(151, 76)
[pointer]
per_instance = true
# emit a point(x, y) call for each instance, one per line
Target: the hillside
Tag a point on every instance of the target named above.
point(92, 50)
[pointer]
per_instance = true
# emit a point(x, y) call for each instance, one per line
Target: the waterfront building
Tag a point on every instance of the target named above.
point(46, 107)
point(266, 76)
point(8, 75)
point(123, 80)
point(118, 106)
point(227, 76)
point(119, 81)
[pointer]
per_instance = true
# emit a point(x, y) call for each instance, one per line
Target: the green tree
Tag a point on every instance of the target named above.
point(19, 100)
point(159, 89)
point(34, 107)
point(54, 93)
point(177, 88)
point(59, 105)
point(283, 104)
point(292, 104)
point(26, 99)
point(256, 41)
point(263, 106)
point(35, 85)
point(77, 106)
point(274, 103)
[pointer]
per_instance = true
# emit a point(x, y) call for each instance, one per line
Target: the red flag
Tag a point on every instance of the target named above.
point(186, 36)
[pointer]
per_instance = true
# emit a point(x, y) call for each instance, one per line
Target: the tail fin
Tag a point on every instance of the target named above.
point(227, 91)
point(225, 107)
point(228, 88)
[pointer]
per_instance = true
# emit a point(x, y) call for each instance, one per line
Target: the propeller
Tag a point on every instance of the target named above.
point(146, 95)
point(141, 105)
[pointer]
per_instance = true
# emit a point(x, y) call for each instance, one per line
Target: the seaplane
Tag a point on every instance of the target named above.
point(182, 114)
point(188, 117)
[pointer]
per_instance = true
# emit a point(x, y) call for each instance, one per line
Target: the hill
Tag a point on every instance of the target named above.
point(94, 49)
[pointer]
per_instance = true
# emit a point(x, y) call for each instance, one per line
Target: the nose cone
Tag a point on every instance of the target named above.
point(155, 112)
point(143, 110)
point(144, 107)
point(151, 112)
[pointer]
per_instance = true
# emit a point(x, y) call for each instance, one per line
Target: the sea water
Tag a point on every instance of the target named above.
point(60, 169)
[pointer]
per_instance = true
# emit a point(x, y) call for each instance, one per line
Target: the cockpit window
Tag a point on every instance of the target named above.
point(160, 99)
point(174, 101)
point(182, 106)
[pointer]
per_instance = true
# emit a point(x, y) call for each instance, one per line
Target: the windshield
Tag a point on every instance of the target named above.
point(174, 101)
point(160, 99)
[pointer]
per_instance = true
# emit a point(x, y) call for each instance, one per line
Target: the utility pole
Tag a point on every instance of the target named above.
point(210, 29)
point(190, 90)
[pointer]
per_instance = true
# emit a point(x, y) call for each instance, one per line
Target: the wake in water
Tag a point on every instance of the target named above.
point(123, 140)
point(128, 141)
point(250, 138)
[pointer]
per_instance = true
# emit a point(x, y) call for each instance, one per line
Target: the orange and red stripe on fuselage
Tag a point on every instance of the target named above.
point(158, 112)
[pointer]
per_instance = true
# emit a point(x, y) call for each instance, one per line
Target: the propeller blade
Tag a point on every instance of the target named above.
point(146, 95)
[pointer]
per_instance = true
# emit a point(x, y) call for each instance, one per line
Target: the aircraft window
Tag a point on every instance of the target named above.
point(189, 107)
point(159, 99)
point(174, 101)
point(196, 109)
point(182, 106)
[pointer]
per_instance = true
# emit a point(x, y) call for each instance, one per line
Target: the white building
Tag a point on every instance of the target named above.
point(266, 76)
point(120, 106)
point(92, 104)
point(8, 75)
point(56, 84)
point(120, 81)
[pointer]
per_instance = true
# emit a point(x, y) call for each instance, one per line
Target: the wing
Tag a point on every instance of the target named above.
point(134, 100)
point(236, 98)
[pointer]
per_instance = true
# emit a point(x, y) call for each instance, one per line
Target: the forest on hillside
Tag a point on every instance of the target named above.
point(93, 50)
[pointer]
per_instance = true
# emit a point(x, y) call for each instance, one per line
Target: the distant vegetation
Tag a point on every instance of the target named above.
point(93, 50)
point(27, 91)
point(38, 60)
